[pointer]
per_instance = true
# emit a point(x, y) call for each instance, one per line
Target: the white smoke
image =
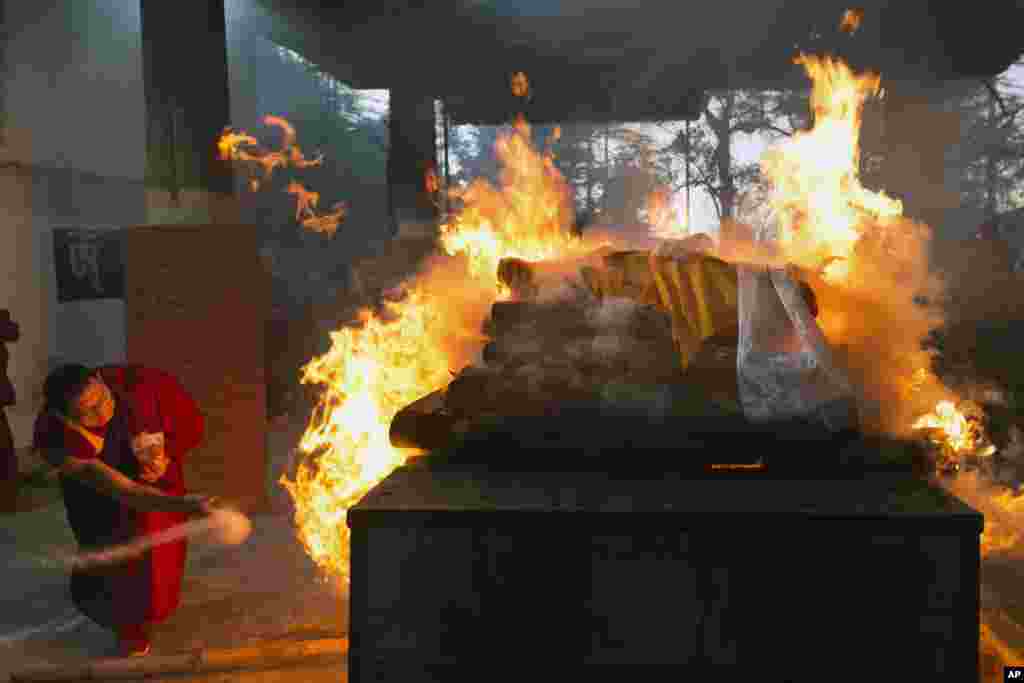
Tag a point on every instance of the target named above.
point(612, 313)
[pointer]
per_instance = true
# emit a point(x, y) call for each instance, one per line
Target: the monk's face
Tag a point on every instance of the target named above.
point(94, 407)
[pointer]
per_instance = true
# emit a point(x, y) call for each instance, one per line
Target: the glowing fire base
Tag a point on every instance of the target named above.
point(459, 573)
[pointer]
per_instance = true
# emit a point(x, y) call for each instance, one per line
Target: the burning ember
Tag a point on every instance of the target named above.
point(954, 431)
point(305, 210)
point(520, 84)
point(241, 147)
point(851, 21)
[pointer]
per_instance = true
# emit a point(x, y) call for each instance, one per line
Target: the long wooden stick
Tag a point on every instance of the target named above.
point(265, 655)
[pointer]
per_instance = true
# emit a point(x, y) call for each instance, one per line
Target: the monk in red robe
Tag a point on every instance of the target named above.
point(118, 436)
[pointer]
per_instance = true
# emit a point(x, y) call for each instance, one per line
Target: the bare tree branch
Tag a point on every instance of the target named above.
point(757, 127)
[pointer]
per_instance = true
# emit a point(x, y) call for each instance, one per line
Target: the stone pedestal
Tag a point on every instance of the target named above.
point(461, 572)
point(197, 299)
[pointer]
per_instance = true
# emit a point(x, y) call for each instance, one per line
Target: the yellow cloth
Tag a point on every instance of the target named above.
point(698, 291)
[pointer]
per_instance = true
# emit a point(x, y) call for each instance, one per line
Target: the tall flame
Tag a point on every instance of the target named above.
point(369, 373)
point(528, 216)
point(858, 241)
point(817, 196)
point(404, 353)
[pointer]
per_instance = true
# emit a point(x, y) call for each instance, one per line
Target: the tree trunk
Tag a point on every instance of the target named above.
point(721, 125)
point(590, 181)
point(991, 171)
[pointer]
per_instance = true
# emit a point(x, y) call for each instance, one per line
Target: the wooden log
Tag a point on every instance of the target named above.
point(264, 655)
point(562, 320)
point(509, 390)
point(518, 275)
point(470, 391)
point(508, 314)
point(423, 424)
point(650, 322)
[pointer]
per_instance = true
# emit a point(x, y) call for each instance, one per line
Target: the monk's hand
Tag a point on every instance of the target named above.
point(200, 504)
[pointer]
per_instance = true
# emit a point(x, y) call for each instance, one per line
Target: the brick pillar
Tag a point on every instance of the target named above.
point(197, 298)
point(197, 294)
point(412, 149)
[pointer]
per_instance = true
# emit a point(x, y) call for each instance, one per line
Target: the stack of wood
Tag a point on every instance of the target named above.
point(546, 352)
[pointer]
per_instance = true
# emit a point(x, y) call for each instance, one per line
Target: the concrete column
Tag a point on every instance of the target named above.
point(185, 69)
point(918, 134)
point(24, 290)
point(412, 148)
point(197, 294)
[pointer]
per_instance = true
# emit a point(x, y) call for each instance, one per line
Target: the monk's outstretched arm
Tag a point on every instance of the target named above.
point(127, 491)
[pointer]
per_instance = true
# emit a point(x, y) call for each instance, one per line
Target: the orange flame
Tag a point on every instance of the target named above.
point(369, 373)
point(305, 210)
point(520, 84)
point(859, 241)
point(241, 147)
point(529, 216)
point(851, 21)
point(431, 182)
point(822, 208)
point(954, 430)
point(289, 148)
point(380, 366)
point(1003, 510)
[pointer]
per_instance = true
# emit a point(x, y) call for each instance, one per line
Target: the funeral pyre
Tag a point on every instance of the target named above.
point(520, 314)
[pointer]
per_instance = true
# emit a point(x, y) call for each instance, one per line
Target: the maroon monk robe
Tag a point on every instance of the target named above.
point(145, 589)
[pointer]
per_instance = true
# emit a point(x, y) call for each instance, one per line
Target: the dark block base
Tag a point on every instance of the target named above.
point(460, 574)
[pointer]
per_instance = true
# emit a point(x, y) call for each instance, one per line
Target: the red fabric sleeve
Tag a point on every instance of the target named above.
point(179, 416)
point(161, 404)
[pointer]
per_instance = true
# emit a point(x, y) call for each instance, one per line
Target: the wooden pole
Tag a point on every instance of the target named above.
point(264, 655)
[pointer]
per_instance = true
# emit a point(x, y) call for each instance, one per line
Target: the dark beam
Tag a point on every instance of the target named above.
point(435, 46)
point(185, 71)
point(412, 149)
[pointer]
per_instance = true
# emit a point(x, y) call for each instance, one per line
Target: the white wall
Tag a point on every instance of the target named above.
point(75, 93)
point(76, 128)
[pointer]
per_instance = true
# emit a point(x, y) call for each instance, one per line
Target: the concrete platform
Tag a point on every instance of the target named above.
point(780, 580)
